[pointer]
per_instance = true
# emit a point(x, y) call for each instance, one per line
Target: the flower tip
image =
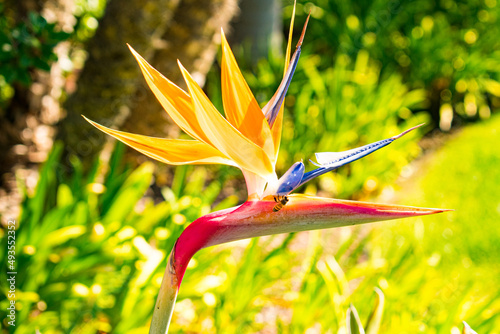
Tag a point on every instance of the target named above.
point(315, 163)
point(432, 211)
point(88, 120)
point(405, 132)
point(224, 43)
point(181, 67)
point(185, 73)
point(301, 39)
point(97, 125)
point(410, 211)
point(444, 210)
point(143, 64)
point(132, 50)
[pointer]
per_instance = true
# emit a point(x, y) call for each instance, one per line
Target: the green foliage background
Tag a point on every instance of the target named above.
point(92, 249)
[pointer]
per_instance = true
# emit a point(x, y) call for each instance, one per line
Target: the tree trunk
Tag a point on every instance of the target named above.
point(111, 89)
point(13, 116)
point(260, 27)
point(110, 76)
point(192, 38)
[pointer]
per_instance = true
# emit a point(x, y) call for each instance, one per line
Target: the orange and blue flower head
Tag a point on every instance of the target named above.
point(248, 138)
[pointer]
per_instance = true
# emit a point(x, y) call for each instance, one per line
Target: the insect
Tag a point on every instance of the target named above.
point(286, 184)
point(281, 200)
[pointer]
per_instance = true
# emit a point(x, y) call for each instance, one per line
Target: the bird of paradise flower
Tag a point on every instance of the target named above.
point(248, 138)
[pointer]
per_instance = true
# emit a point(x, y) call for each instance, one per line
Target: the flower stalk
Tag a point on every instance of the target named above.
point(165, 301)
point(255, 219)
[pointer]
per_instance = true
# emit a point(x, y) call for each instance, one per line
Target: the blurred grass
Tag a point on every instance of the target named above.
point(91, 255)
point(448, 48)
point(464, 175)
point(91, 249)
point(446, 268)
point(435, 271)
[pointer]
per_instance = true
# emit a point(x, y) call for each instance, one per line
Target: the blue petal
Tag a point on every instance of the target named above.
point(275, 103)
point(291, 179)
point(329, 161)
point(272, 108)
point(314, 173)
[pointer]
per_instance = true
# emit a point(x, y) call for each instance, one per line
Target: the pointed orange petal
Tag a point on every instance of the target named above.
point(276, 132)
point(169, 151)
point(175, 101)
point(240, 106)
point(290, 35)
point(223, 135)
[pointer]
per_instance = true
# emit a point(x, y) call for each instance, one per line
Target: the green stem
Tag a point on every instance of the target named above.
point(166, 299)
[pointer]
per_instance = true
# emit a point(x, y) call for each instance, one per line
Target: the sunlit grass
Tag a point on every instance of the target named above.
point(445, 269)
point(435, 272)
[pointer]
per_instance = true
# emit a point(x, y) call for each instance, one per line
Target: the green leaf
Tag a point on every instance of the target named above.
point(37, 21)
point(131, 191)
point(59, 36)
point(64, 196)
point(354, 325)
point(179, 179)
point(153, 217)
point(375, 319)
point(226, 203)
point(9, 73)
point(36, 205)
point(64, 234)
point(43, 65)
point(23, 76)
point(25, 60)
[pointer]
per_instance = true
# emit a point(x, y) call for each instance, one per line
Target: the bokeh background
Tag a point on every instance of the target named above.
point(96, 220)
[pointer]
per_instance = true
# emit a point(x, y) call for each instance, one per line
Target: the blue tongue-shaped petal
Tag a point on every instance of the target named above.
point(291, 179)
point(337, 159)
point(328, 161)
point(272, 108)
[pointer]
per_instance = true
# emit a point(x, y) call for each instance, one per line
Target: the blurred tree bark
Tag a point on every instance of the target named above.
point(13, 118)
point(260, 27)
point(18, 10)
point(192, 37)
point(111, 89)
